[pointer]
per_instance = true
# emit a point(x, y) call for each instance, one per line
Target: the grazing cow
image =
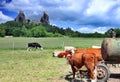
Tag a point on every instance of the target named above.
point(34, 45)
point(78, 59)
point(96, 51)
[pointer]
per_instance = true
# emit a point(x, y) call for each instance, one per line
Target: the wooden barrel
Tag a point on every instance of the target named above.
point(110, 50)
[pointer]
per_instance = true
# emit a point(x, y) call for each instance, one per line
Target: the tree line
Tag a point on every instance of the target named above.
point(17, 29)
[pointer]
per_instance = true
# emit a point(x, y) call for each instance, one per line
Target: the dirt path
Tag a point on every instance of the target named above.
point(115, 76)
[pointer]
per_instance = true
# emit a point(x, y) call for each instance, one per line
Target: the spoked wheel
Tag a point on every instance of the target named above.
point(103, 72)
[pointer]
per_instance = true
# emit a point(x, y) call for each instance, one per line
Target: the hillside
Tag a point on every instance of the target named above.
point(17, 29)
point(23, 27)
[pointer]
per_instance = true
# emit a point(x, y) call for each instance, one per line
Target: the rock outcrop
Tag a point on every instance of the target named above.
point(45, 18)
point(21, 17)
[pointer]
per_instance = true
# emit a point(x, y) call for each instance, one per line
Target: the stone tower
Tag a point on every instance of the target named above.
point(21, 17)
point(45, 18)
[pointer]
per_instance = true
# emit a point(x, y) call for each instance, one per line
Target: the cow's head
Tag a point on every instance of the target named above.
point(61, 54)
point(56, 53)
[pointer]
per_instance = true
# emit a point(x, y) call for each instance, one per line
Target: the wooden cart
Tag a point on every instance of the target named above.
point(110, 49)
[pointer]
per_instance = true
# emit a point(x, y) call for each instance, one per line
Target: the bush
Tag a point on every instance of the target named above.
point(2, 31)
point(16, 32)
point(38, 31)
point(49, 34)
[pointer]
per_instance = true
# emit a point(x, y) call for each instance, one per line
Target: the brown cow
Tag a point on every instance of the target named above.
point(78, 59)
point(96, 51)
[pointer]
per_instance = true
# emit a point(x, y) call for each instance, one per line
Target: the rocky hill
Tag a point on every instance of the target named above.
point(22, 19)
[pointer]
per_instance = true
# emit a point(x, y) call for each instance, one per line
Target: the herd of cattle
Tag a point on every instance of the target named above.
point(77, 58)
point(82, 57)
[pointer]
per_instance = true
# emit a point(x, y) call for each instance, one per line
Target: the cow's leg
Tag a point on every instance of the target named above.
point(92, 72)
point(91, 64)
point(95, 75)
point(41, 48)
point(81, 75)
point(73, 70)
point(37, 48)
point(95, 68)
point(28, 49)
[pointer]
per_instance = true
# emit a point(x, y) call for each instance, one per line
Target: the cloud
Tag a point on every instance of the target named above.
point(99, 7)
point(103, 13)
point(4, 18)
point(101, 29)
point(90, 29)
point(57, 9)
point(85, 30)
point(69, 13)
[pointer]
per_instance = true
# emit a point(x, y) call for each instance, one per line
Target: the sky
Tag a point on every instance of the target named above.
point(85, 16)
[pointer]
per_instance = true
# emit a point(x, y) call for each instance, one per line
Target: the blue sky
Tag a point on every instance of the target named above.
point(86, 16)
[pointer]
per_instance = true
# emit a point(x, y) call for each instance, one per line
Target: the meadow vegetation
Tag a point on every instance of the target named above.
point(19, 65)
point(48, 43)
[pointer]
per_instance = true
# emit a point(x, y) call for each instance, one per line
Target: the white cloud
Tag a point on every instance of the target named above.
point(89, 29)
point(4, 18)
point(100, 29)
point(99, 7)
point(117, 14)
point(57, 8)
point(85, 30)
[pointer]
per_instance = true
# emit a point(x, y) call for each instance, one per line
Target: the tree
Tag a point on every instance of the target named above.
point(68, 31)
point(29, 33)
point(38, 31)
point(24, 31)
point(117, 30)
point(76, 34)
point(16, 32)
point(2, 31)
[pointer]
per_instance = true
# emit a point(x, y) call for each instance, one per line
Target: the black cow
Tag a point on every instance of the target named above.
point(34, 45)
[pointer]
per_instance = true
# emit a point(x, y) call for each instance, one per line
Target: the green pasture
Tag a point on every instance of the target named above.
point(33, 66)
point(19, 65)
point(48, 43)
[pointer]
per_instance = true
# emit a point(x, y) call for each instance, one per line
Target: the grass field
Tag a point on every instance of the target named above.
point(33, 66)
point(19, 65)
point(49, 43)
